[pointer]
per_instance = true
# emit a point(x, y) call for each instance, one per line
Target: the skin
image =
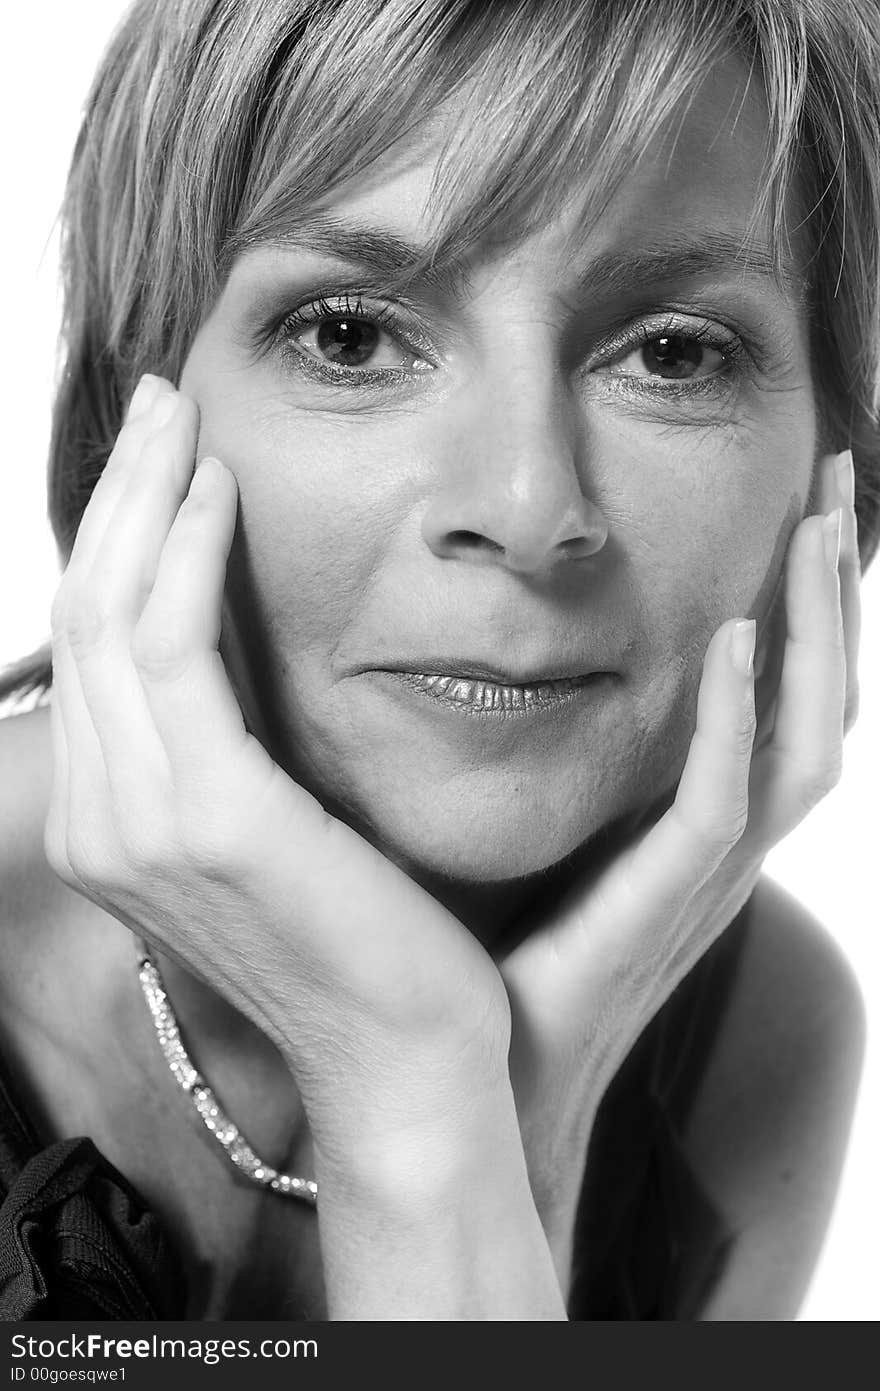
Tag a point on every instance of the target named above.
point(675, 511)
point(443, 1095)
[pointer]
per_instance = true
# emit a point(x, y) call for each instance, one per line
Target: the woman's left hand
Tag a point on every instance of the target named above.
point(584, 984)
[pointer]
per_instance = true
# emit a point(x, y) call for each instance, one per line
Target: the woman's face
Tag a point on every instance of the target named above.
point(574, 460)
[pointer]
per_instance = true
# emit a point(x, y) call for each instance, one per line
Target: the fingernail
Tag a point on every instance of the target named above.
point(208, 470)
point(742, 646)
point(846, 481)
point(145, 394)
point(164, 408)
point(831, 538)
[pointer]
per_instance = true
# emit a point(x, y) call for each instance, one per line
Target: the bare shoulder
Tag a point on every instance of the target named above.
point(27, 884)
point(26, 761)
point(795, 992)
point(769, 1128)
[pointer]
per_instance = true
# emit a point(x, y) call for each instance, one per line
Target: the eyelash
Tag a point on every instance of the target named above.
point(348, 306)
point(351, 305)
point(725, 341)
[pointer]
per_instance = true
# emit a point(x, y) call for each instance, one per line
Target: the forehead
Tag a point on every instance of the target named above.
point(705, 168)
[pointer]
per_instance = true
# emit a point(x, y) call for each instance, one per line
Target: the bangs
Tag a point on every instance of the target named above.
point(214, 125)
point(549, 102)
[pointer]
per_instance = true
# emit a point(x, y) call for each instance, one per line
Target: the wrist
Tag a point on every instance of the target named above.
point(404, 1145)
point(389, 1094)
point(444, 1215)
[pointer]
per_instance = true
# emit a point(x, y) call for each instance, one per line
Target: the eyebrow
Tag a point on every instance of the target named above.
point(713, 253)
point(621, 270)
point(388, 257)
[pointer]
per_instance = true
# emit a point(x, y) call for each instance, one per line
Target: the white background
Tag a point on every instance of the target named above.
point(831, 863)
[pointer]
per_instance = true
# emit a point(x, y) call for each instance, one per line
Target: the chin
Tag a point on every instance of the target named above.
point(491, 860)
point(492, 842)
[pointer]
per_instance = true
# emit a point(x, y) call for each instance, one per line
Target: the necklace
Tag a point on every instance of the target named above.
point(218, 1124)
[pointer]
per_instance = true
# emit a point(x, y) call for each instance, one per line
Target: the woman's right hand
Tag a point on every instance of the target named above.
point(167, 813)
point(170, 815)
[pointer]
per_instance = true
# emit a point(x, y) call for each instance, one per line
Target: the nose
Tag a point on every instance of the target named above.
point(512, 493)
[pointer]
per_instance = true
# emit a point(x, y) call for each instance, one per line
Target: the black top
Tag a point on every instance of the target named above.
point(78, 1242)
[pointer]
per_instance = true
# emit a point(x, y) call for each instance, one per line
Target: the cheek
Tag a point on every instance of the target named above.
point(318, 512)
point(703, 533)
point(705, 516)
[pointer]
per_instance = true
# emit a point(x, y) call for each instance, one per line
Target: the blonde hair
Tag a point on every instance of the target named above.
point(214, 123)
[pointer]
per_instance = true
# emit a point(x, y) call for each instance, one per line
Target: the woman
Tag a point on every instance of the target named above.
point(431, 733)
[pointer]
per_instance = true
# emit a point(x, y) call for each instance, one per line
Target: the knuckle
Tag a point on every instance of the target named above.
point(87, 620)
point(112, 862)
point(158, 655)
point(720, 830)
point(211, 846)
point(94, 863)
point(141, 854)
point(817, 781)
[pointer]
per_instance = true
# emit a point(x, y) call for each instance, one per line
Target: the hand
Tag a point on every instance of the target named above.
point(585, 984)
point(166, 812)
point(169, 814)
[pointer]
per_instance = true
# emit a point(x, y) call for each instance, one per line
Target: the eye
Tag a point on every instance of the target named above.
point(346, 342)
point(350, 339)
point(672, 353)
point(351, 342)
point(675, 357)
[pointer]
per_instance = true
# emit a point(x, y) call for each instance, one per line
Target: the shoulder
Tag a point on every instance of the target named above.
point(32, 898)
point(26, 759)
point(795, 1009)
point(25, 787)
point(794, 994)
point(769, 1126)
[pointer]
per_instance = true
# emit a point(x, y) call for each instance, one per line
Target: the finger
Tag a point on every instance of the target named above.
point(87, 839)
point(152, 483)
point(850, 574)
point(175, 644)
point(836, 488)
point(653, 882)
point(79, 776)
point(768, 663)
point(105, 495)
point(710, 810)
point(102, 599)
point(802, 760)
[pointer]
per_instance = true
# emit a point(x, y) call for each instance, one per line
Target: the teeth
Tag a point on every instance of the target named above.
point(491, 695)
point(463, 691)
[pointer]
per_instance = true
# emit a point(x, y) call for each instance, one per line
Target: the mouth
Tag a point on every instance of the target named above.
point(474, 691)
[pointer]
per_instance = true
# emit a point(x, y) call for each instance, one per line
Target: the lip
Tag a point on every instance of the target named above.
point(471, 689)
point(466, 669)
